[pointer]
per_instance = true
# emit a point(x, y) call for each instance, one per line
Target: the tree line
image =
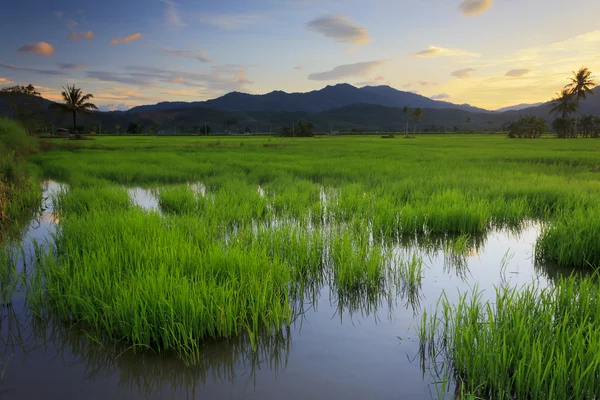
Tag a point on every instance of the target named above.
point(566, 103)
point(563, 106)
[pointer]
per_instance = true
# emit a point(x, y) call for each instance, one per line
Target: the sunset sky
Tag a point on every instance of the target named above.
point(488, 53)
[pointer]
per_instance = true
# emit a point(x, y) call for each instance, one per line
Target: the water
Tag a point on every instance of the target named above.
point(368, 351)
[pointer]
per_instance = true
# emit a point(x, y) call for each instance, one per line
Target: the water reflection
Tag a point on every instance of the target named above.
point(345, 342)
point(231, 361)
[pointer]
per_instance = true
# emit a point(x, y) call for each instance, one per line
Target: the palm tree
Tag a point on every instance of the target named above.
point(75, 103)
point(581, 84)
point(564, 104)
point(405, 111)
point(417, 115)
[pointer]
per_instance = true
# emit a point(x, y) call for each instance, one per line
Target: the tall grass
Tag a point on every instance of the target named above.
point(572, 239)
point(526, 343)
point(18, 193)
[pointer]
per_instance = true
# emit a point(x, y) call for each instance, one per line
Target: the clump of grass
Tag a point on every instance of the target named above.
point(178, 200)
point(358, 266)
point(10, 278)
point(528, 343)
point(18, 185)
point(80, 201)
point(572, 239)
point(135, 277)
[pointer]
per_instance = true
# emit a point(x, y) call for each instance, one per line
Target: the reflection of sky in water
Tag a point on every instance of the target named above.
point(145, 198)
point(327, 354)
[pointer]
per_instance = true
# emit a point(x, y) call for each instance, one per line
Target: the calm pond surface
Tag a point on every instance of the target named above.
point(330, 352)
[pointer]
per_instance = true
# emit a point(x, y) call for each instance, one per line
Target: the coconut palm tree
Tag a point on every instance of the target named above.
point(75, 103)
point(564, 104)
point(581, 83)
point(405, 111)
point(417, 115)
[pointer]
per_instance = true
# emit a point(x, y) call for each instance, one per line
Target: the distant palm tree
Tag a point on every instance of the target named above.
point(405, 111)
point(75, 103)
point(564, 104)
point(417, 115)
point(581, 84)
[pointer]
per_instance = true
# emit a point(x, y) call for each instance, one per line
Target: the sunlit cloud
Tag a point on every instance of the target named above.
point(515, 73)
point(198, 55)
point(343, 71)
point(434, 51)
point(172, 16)
point(440, 96)
point(463, 73)
point(42, 48)
point(126, 39)
point(5, 81)
point(340, 29)
point(178, 79)
point(474, 7)
point(53, 94)
point(494, 88)
point(233, 21)
point(89, 35)
point(298, 68)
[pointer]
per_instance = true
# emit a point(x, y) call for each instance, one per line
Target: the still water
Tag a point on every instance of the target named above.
point(367, 351)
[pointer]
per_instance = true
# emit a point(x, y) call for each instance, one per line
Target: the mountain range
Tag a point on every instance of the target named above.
point(328, 98)
point(341, 107)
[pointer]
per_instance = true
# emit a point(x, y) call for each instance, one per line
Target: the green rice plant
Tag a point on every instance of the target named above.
point(572, 239)
point(358, 265)
point(178, 200)
point(136, 277)
point(526, 343)
point(79, 201)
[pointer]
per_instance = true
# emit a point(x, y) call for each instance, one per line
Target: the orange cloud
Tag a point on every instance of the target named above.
point(42, 48)
point(178, 80)
point(5, 81)
point(127, 39)
point(89, 35)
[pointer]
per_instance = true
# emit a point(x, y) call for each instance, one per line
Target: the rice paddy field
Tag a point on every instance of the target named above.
point(441, 267)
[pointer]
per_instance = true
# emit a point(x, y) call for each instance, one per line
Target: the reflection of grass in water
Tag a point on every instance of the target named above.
point(525, 343)
point(10, 279)
point(148, 373)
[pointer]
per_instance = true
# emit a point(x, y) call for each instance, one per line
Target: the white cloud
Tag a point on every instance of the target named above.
point(343, 71)
point(463, 73)
point(434, 51)
point(340, 29)
point(515, 73)
point(474, 7)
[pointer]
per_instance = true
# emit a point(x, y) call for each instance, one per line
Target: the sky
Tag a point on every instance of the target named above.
point(487, 53)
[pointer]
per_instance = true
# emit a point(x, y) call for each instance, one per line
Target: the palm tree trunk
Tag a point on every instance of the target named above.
point(77, 136)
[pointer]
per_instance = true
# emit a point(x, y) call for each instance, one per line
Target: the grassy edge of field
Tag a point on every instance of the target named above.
point(19, 180)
